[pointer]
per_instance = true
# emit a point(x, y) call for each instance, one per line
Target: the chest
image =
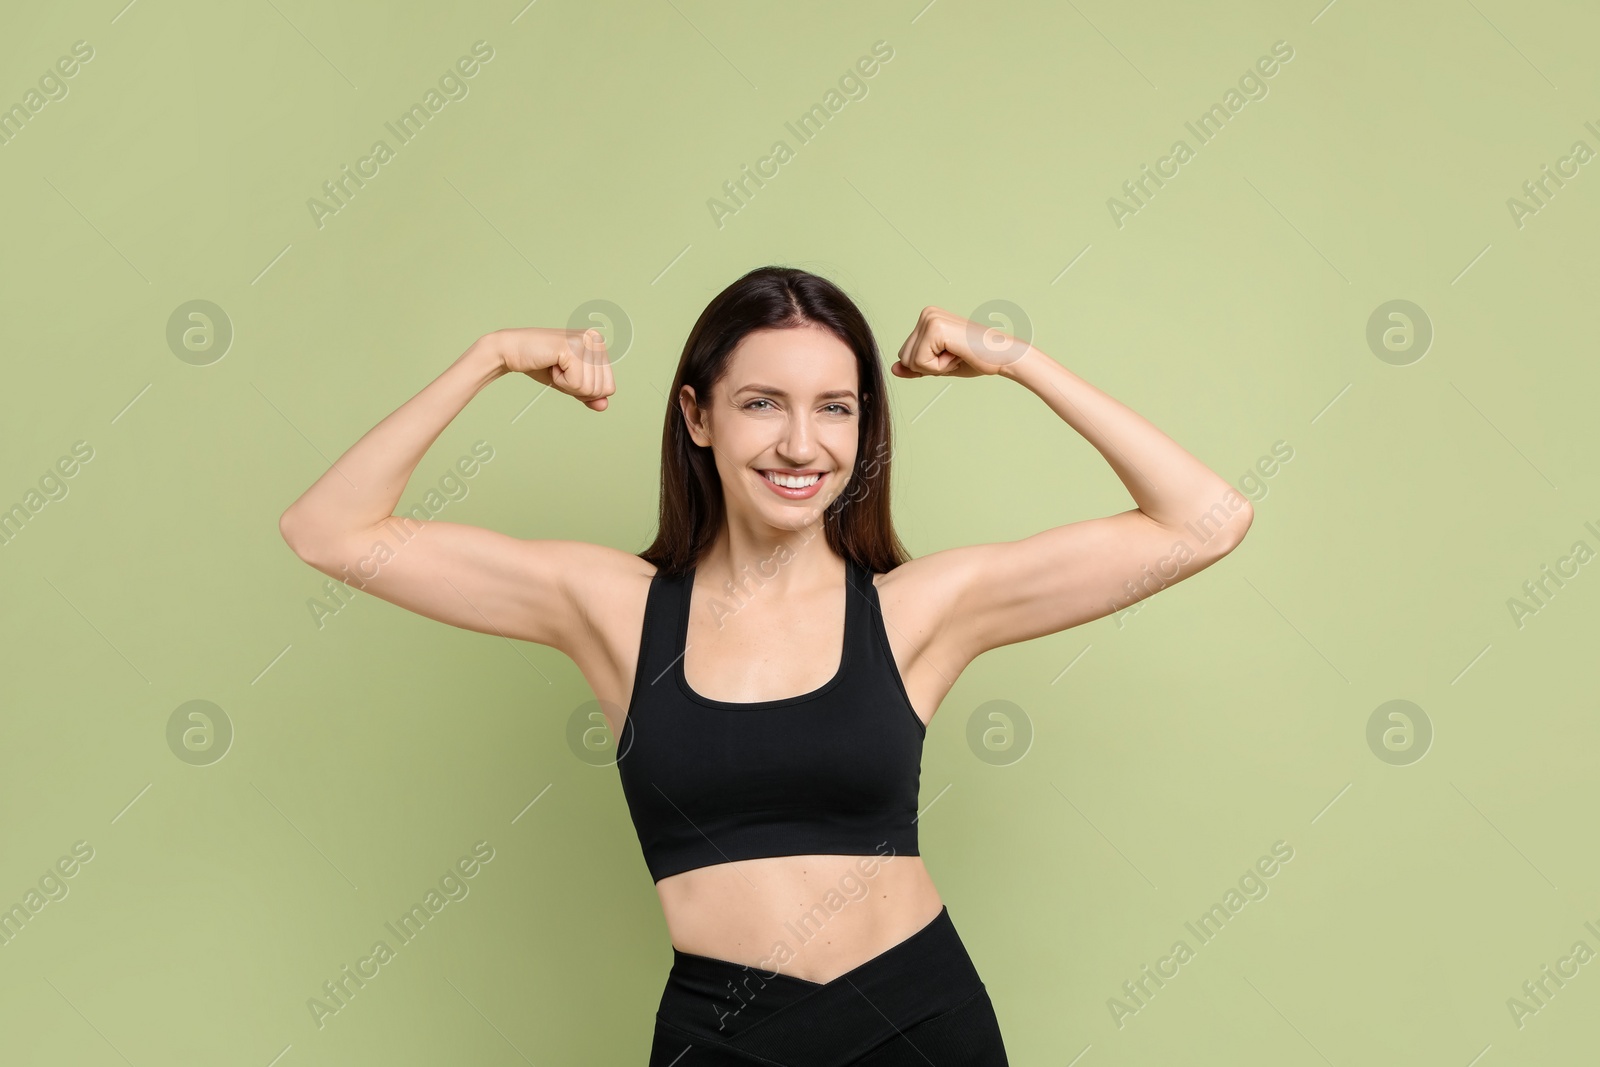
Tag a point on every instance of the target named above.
point(734, 654)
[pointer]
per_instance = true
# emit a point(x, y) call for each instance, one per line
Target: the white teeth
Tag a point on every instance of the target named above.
point(792, 481)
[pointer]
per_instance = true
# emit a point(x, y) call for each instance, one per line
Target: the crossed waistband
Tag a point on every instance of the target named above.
point(780, 1018)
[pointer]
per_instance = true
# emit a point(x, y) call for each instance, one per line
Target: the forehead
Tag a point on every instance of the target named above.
point(804, 359)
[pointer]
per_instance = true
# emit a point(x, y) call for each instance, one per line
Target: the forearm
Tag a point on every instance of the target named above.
point(1166, 482)
point(364, 485)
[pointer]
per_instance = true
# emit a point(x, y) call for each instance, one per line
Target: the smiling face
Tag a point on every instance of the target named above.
point(783, 425)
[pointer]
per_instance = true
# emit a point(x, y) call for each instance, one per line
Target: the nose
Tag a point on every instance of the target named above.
point(798, 446)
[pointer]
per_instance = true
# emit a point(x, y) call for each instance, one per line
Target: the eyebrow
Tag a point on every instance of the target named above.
point(775, 391)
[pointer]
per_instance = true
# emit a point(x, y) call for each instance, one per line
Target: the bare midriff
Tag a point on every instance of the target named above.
point(809, 917)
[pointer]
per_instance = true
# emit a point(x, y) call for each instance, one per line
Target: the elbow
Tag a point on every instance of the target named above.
point(292, 528)
point(324, 548)
point(1219, 526)
point(286, 527)
point(1222, 536)
point(1240, 525)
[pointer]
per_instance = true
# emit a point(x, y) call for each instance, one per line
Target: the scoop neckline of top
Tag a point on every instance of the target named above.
point(757, 705)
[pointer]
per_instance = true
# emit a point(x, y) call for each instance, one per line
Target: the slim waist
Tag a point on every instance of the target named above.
point(926, 973)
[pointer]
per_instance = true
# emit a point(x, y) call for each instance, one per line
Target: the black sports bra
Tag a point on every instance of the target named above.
point(834, 771)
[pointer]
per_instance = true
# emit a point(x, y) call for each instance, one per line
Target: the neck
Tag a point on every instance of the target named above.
point(778, 560)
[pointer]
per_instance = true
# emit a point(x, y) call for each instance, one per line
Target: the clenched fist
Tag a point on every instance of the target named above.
point(948, 345)
point(572, 361)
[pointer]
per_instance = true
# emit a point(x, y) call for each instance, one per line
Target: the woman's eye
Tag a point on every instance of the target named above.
point(833, 409)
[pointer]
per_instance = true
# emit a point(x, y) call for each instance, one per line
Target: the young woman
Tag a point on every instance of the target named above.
point(770, 664)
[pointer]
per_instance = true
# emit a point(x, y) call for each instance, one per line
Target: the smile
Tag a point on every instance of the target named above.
point(793, 486)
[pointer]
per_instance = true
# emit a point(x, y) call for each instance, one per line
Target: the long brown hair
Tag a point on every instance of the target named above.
point(857, 523)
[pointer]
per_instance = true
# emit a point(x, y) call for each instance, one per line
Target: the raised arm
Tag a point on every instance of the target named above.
point(1187, 518)
point(477, 579)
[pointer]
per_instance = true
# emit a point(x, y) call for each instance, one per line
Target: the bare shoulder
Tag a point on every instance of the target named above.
point(605, 586)
point(920, 599)
point(607, 589)
point(593, 568)
point(926, 588)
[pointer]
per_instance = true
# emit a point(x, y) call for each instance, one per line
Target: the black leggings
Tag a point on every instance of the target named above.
point(917, 1003)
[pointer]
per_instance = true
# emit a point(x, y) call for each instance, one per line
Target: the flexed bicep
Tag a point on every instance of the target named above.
point(1013, 591)
point(474, 578)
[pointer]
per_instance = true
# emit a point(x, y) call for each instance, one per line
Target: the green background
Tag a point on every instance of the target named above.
point(372, 751)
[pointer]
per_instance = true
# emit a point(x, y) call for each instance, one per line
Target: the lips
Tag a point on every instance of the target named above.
point(790, 493)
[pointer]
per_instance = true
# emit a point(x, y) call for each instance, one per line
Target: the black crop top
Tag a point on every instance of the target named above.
point(832, 772)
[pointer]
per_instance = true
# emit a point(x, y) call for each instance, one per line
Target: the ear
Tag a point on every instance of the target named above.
point(692, 417)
